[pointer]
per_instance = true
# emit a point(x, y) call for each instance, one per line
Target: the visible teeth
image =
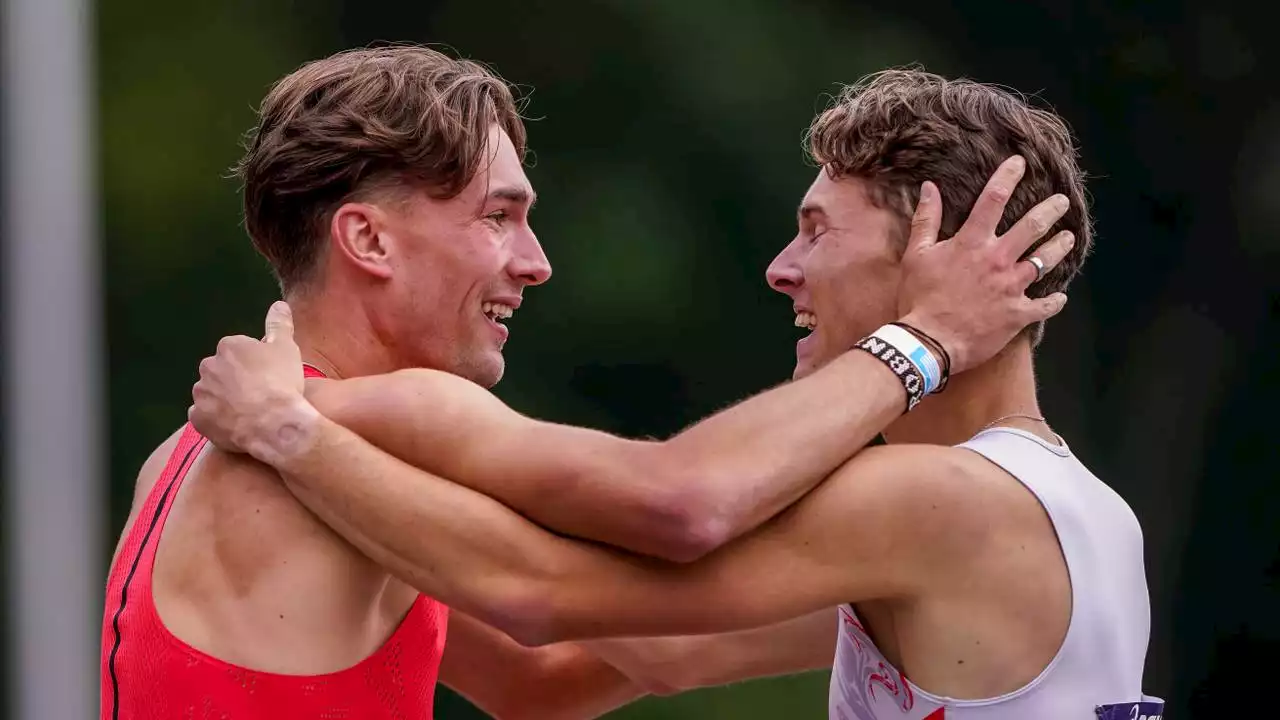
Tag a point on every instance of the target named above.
point(806, 320)
point(497, 311)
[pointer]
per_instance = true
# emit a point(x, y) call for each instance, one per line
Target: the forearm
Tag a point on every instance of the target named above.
point(508, 681)
point(676, 499)
point(576, 481)
point(669, 665)
point(747, 463)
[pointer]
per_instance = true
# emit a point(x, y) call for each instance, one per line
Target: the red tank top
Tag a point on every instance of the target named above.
point(149, 674)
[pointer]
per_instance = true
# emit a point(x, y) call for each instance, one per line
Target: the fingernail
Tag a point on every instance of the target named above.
point(926, 191)
point(1017, 162)
point(1070, 240)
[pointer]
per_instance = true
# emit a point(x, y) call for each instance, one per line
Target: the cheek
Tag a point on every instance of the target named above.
point(855, 296)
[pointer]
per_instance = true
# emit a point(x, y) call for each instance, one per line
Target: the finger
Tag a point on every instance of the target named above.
point(279, 322)
point(985, 216)
point(1052, 252)
point(1041, 309)
point(1032, 226)
point(230, 342)
point(927, 218)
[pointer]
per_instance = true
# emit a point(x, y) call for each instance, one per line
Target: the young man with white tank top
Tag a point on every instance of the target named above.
point(971, 569)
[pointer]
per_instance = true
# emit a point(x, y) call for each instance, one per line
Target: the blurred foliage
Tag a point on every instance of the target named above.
point(667, 155)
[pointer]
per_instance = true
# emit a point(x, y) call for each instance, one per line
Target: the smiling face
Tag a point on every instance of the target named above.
point(444, 274)
point(841, 271)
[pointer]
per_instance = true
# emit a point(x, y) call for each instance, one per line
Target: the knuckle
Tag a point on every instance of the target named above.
point(996, 262)
point(999, 192)
point(236, 341)
point(1040, 223)
point(230, 343)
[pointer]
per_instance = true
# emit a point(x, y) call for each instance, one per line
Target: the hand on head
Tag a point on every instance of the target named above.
point(969, 293)
point(247, 382)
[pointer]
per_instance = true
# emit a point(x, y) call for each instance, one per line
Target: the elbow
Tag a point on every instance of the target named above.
point(695, 531)
point(688, 521)
point(528, 613)
point(686, 515)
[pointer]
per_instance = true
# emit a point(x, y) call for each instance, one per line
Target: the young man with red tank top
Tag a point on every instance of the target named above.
point(164, 676)
point(385, 187)
point(972, 569)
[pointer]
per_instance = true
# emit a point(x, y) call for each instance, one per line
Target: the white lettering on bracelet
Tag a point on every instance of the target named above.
point(908, 374)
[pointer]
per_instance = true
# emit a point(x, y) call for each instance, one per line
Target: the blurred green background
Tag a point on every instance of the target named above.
point(668, 157)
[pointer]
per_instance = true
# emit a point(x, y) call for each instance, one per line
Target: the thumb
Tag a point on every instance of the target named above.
point(927, 218)
point(279, 322)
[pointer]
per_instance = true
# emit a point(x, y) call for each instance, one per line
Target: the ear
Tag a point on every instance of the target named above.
point(357, 233)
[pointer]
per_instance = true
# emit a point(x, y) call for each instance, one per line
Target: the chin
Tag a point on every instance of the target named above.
point(803, 369)
point(487, 370)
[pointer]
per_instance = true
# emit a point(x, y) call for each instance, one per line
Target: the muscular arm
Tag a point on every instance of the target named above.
point(572, 681)
point(863, 534)
point(676, 499)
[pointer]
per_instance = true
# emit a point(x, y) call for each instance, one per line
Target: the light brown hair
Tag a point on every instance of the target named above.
point(897, 128)
point(360, 122)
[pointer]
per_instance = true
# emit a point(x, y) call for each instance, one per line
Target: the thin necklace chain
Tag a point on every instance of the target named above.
point(1011, 416)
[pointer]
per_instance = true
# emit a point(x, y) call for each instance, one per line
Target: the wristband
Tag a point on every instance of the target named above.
point(919, 355)
point(937, 348)
point(898, 362)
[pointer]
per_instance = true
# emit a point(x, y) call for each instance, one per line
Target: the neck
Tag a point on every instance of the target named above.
point(337, 336)
point(1003, 386)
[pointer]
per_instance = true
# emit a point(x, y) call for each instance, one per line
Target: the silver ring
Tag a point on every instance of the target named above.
point(1038, 264)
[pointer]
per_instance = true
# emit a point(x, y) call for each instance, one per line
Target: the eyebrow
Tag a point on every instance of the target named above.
point(514, 194)
point(808, 209)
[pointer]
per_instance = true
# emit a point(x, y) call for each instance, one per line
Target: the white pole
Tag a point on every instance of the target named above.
point(53, 473)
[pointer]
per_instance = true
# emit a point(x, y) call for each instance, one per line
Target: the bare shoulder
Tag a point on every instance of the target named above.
point(940, 505)
point(924, 478)
point(143, 484)
point(153, 467)
point(411, 381)
point(404, 392)
point(929, 477)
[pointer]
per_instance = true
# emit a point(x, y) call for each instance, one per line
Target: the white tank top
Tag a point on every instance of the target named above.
point(1097, 673)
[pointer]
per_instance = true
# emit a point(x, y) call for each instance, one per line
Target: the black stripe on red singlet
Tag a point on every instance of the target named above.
point(124, 590)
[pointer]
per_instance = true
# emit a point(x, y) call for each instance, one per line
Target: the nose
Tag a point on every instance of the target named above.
point(784, 273)
point(529, 263)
